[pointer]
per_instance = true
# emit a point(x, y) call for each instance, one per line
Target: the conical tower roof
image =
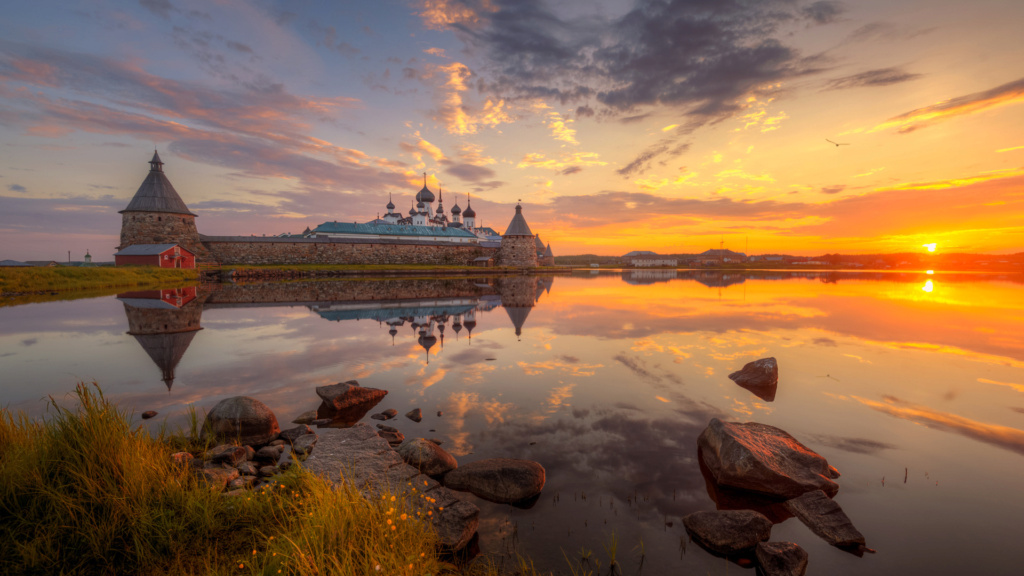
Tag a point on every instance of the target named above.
point(156, 193)
point(517, 314)
point(518, 225)
point(548, 253)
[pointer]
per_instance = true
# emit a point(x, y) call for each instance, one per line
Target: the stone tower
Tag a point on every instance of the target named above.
point(157, 215)
point(518, 244)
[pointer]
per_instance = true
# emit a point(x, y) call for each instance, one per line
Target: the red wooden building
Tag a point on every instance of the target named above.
point(162, 255)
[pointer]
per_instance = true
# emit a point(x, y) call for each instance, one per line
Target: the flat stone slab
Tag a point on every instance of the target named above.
point(781, 559)
point(826, 518)
point(728, 531)
point(360, 456)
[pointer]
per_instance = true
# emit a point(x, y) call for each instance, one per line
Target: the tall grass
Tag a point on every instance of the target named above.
point(62, 279)
point(85, 492)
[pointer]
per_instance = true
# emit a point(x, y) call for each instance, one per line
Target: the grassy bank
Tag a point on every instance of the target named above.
point(85, 492)
point(61, 279)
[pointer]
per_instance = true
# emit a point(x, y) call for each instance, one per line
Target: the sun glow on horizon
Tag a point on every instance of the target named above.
point(930, 247)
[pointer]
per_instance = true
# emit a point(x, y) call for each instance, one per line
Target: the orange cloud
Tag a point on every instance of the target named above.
point(441, 14)
point(1009, 93)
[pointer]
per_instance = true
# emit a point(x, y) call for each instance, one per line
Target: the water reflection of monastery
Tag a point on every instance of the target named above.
point(164, 322)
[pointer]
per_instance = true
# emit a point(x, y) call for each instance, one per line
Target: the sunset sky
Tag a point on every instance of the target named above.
point(621, 125)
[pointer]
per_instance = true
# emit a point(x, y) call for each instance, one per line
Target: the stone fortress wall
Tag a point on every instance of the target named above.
point(270, 250)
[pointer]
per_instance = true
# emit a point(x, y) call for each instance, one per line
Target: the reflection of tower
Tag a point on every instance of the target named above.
point(164, 323)
point(470, 322)
point(518, 295)
point(457, 325)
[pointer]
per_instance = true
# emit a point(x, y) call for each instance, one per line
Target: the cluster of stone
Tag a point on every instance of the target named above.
point(772, 466)
point(254, 449)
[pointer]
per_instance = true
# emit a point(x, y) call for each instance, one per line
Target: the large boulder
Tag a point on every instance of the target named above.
point(781, 559)
point(427, 457)
point(502, 480)
point(763, 459)
point(826, 518)
point(338, 397)
point(241, 419)
point(760, 377)
point(728, 531)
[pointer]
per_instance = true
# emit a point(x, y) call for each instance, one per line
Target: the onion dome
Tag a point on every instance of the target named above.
point(156, 193)
point(412, 210)
point(391, 205)
point(456, 209)
point(440, 209)
point(469, 213)
point(425, 195)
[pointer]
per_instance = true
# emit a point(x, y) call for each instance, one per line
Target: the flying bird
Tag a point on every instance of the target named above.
point(838, 144)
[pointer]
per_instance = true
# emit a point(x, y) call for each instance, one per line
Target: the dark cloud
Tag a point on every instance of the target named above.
point(825, 342)
point(469, 172)
point(701, 56)
point(571, 170)
point(833, 189)
point(872, 78)
point(873, 31)
point(238, 46)
point(584, 112)
point(823, 11)
point(642, 162)
point(1017, 409)
point(161, 8)
point(29, 341)
point(17, 188)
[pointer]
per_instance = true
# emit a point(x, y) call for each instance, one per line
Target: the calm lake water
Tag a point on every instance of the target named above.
point(912, 385)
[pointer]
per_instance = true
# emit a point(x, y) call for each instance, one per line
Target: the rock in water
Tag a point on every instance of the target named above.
point(243, 419)
point(427, 457)
point(826, 518)
point(394, 437)
point(291, 434)
point(305, 418)
point(416, 415)
point(764, 459)
point(342, 395)
point(502, 480)
point(759, 373)
point(781, 559)
point(148, 414)
point(304, 444)
point(728, 531)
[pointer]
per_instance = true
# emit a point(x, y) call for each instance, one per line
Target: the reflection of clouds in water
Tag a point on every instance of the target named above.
point(475, 354)
point(614, 451)
point(1016, 409)
point(639, 367)
point(854, 445)
point(558, 397)
point(994, 434)
point(463, 405)
point(573, 369)
point(29, 341)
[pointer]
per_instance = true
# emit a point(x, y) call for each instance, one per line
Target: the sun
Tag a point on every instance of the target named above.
point(930, 247)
